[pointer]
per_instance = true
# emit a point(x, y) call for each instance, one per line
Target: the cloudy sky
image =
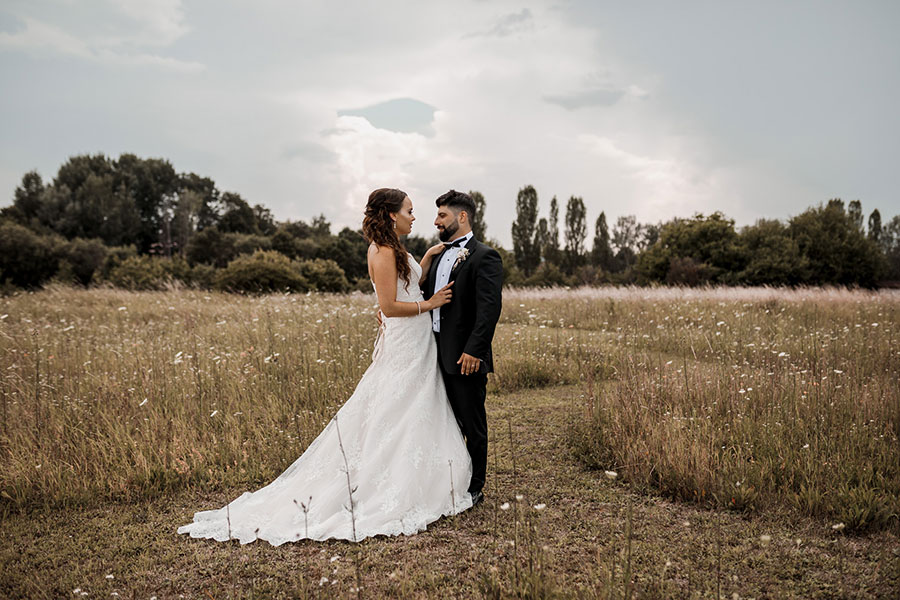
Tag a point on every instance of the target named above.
point(657, 109)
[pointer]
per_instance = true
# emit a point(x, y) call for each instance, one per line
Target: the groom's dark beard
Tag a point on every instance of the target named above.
point(446, 234)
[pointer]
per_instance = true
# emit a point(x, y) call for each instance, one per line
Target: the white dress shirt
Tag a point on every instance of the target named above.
point(442, 276)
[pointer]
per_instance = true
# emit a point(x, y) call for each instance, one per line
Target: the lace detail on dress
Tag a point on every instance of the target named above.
point(403, 446)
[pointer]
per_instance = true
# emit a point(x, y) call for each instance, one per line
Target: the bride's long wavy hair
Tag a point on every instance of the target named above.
point(378, 227)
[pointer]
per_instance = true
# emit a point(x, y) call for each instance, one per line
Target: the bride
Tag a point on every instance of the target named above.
point(392, 460)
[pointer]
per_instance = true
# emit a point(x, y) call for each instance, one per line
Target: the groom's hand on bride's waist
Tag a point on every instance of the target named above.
point(468, 364)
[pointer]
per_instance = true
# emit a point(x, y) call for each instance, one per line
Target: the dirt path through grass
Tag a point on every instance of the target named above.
point(676, 550)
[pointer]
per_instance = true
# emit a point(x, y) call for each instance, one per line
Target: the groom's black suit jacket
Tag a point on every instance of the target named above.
point(469, 320)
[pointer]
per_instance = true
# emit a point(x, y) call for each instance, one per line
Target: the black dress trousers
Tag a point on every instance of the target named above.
point(467, 394)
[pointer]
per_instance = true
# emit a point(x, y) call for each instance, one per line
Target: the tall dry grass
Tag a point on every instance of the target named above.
point(745, 398)
point(748, 399)
point(115, 394)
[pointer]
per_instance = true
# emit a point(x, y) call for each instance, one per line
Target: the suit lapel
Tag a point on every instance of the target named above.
point(470, 246)
point(432, 273)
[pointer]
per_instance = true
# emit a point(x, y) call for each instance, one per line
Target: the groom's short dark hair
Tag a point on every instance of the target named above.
point(457, 201)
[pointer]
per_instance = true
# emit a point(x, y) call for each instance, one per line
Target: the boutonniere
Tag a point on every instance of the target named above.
point(461, 256)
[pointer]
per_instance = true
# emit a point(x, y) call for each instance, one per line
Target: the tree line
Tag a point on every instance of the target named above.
point(138, 223)
point(827, 244)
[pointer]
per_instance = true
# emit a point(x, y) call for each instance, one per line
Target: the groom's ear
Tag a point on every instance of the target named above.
point(463, 216)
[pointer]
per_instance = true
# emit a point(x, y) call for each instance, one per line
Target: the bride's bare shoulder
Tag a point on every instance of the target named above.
point(376, 250)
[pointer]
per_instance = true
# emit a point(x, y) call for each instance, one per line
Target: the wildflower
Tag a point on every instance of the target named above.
point(519, 497)
point(214, 413)
point(334, 558)
point(323, 581)
point(504, 506)
point(540, 506)
point(143, 402)
point(126, 308)
point(805, 446)
point(765, 539)
point(110, 576)
point(610, 474)
point(838, 526)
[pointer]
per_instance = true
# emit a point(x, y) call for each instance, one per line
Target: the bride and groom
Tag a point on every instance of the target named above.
point(410, 444)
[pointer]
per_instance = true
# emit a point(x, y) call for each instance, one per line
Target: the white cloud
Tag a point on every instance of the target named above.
point(112, 39)
point(652, 124)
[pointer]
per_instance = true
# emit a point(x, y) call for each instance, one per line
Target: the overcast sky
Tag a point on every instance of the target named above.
point(657, 109)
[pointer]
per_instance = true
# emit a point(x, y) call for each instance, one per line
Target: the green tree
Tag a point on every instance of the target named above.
point(28, 197)
point(711, 244)
point(205, 188)
point(542, 238)
point(773, 256)
point(626, 241)
point(552, 252)
point(153, 185)
point(874, 232)
point(890, 247)
point(26, 258)
point(526, 253)
point(576, 232)
point(348, 250)
point(601, 253)
point(837, 250)
point(237, 216)
point(85, 257)
point(265, 222)
point(479, 227)
point(213, 247)
point(855, 213)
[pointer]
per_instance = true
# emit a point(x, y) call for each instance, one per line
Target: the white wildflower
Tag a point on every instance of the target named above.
point(838, 526)
point(213, 413)
point(504, 506)
point(610, 474)
point(540, 506)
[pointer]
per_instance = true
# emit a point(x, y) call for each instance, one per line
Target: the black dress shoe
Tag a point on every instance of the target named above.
point(477, 498)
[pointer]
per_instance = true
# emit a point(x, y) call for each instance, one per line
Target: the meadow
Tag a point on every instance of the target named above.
point(645, 442)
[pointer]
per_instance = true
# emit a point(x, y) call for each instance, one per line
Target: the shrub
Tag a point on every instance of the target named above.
point(85, 257)
point(687, 271)
point(139, 273)
point(26, 258)
point(547, 275)
point(324, 275)
point(263, 271)
point(115, 256)
point(203, 276)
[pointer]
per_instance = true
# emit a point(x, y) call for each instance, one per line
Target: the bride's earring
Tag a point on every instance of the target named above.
point(395, 224)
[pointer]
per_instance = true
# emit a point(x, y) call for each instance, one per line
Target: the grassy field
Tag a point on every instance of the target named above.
point(644, 443)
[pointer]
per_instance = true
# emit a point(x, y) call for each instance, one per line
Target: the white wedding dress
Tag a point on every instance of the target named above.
point(407, 459)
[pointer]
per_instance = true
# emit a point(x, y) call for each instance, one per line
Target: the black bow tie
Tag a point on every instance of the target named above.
point(455, 244)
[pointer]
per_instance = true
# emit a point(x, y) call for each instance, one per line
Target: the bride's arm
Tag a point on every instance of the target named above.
point(426, 261)
point(383, 271)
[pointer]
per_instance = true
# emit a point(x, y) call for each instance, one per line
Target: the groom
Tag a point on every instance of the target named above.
point(464, 328)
